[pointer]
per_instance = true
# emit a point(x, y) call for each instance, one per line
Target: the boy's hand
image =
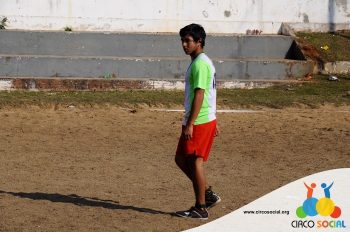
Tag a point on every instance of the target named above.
point(217, 131)
point(187, 133)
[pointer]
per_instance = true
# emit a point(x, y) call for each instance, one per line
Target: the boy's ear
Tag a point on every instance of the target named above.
point(200, 41)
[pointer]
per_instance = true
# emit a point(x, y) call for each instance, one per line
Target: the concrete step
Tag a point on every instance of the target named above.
point(161, 68)
point(98, 84)
point(62, 43)
point(61, 54)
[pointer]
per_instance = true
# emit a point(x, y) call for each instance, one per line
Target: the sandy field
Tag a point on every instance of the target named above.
point(112, 169)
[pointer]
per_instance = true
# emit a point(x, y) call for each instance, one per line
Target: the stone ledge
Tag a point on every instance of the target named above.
point(338, 67)
point(79, 84)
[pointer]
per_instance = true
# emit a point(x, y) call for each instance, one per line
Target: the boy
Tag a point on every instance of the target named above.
point(199, 124)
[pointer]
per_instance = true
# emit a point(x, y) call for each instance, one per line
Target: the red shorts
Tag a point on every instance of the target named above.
point(201, 142)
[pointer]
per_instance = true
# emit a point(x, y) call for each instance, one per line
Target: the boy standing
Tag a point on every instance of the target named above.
point(199, 124)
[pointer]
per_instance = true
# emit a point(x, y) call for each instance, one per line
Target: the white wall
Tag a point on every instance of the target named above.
point(217, 16)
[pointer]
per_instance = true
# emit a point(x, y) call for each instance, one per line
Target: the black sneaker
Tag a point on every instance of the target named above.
point(211, 198)
point(195, 213)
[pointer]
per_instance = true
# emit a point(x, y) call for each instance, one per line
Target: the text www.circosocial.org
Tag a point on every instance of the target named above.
point(269, 212)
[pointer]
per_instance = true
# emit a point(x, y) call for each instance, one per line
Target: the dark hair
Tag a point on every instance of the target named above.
point(194, 30)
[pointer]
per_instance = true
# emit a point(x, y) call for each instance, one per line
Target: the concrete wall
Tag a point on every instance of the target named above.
point(217, 16)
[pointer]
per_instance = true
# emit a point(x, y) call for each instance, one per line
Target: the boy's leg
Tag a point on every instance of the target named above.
point(186, 164)
point(193, 168)
point(196, 170)
point(183, 164)
point(198, 179)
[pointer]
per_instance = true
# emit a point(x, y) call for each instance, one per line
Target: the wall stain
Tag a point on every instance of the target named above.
point(227, 13)
point(342, 3)
point(51, 5)
point(306, 18)
point(213, 3)
point(205, 13)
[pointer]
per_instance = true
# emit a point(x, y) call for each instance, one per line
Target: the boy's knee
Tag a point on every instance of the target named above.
point(196, 161)
point(199, 161)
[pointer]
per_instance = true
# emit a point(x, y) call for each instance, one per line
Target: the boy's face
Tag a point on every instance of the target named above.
point(189, 45)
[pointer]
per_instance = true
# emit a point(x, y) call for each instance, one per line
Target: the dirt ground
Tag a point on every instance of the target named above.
point(112, 169)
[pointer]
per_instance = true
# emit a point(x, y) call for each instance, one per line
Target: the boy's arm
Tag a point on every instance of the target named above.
point(196, 106)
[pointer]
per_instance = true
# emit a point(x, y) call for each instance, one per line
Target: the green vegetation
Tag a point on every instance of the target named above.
point(312, 94)
point(3, 24)
point(86, 98)
point(330, 46)
point(68, 28)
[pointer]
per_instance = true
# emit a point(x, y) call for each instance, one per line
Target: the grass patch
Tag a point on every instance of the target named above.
point(312, 94)
point(118, 98)
point(331, 46)
point(318, 92)
point(3, 23)
point(67, 28)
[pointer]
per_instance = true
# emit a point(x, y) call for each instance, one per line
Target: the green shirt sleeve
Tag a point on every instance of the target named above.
point(200, 74)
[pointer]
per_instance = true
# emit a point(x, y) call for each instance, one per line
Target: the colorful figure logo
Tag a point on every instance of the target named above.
point(313, 206)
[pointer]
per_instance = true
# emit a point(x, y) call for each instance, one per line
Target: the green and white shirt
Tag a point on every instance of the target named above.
point(201, 74)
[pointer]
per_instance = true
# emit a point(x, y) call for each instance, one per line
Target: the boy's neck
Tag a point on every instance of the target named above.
point(197, 53)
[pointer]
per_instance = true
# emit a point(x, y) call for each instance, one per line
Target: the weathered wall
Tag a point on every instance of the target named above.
point(218, 16)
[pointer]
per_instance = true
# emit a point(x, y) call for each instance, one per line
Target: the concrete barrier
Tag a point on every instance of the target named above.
point(144, 56)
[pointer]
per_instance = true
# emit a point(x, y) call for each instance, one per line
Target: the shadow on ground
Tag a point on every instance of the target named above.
point(82, 201)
